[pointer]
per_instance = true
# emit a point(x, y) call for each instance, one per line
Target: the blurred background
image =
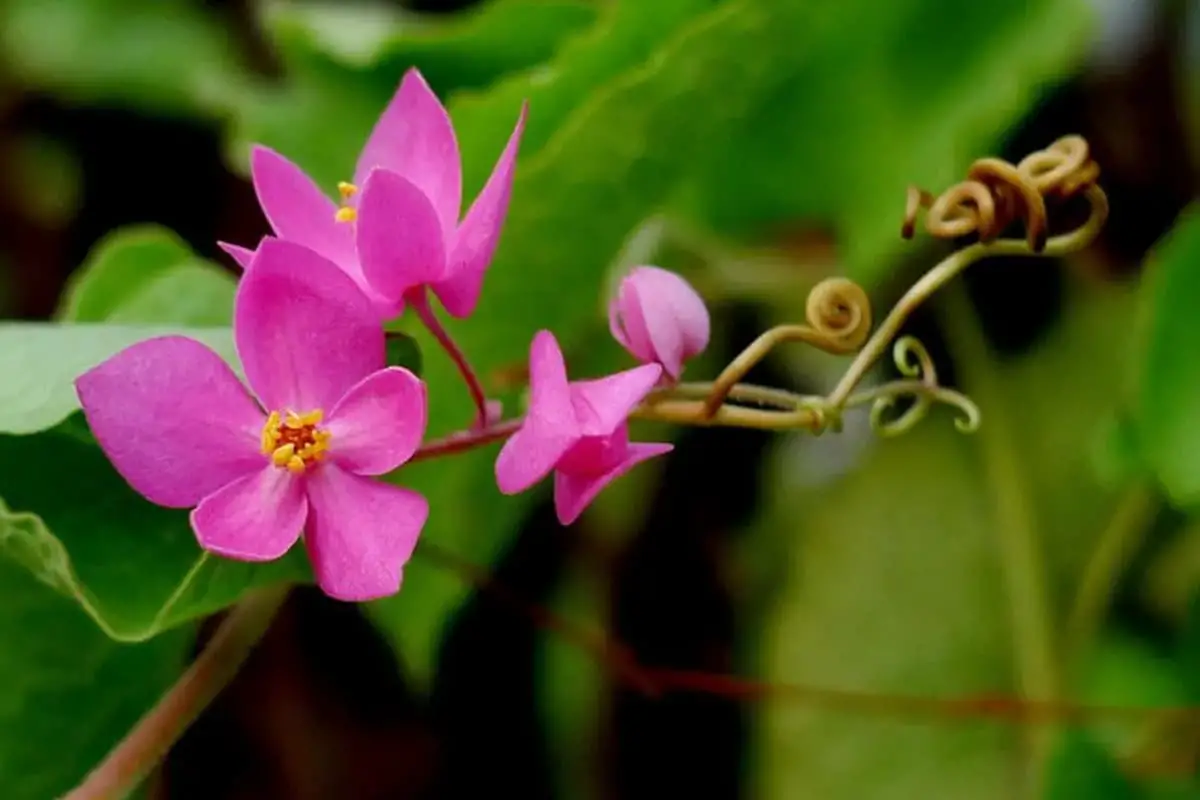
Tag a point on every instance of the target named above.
point(757, 146)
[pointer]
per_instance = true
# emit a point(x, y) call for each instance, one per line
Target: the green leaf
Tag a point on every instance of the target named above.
point(1080, 768)
point(471, 48)
point(877, 97)
point(913, 530)
point(1167, 425)
point(158, 55)
point(68, 693)
point(40, 362)
point(134, 567)
point(146, 274)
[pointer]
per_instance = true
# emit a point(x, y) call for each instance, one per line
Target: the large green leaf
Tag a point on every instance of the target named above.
point(1081, 768)
point(1166, 416)
point(68, 693)
point(914, 530)
point(878, 96)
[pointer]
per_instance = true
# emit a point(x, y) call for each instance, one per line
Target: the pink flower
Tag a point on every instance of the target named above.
point(658, 317)
point(578, 430)
point(402, 231)
point(180, 427)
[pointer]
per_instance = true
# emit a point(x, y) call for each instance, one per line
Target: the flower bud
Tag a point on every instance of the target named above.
point(658, 317)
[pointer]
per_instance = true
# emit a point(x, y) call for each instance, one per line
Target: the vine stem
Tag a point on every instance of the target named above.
point(420, 303)
point(1015, 520)
point(127, 765)
point(1117, 544)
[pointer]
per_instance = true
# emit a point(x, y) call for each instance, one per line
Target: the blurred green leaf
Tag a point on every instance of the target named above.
point(1080, 769)
point(1123, 671)
point(146, 274)
point(913, 530)
point(156, 55)
point(1188, 657)
point(878, 96)
point(1167, 425)
point(67, 692)
point(467, 49)
point(338, 81)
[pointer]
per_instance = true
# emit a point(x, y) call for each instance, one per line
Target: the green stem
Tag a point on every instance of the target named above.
point(127, 765)
point(1115, 547)
point(1024, 572)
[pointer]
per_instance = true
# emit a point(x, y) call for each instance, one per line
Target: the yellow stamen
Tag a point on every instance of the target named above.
point(347, 190)
point(293, 441)
point(270, 434)
point(283, 455)
point(346, 214)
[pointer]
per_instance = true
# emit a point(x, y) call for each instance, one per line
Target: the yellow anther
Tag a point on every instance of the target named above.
point(346, 214)
point(347, 190)
point(270, 434)
point(283, 455)
point(293, 441)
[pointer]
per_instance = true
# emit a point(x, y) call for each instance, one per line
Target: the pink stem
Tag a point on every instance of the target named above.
point(419, 300)
point(466, 440)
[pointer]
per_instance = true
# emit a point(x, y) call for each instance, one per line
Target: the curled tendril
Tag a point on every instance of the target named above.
point(837, 320)
point(839, 312)
point(997, 194)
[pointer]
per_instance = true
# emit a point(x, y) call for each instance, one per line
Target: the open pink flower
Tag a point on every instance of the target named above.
point(402, 231)
point(180, 427)
point(578, 430)
point(659, 318)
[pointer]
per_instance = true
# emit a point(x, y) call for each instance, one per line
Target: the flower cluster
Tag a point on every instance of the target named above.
point(297, 451)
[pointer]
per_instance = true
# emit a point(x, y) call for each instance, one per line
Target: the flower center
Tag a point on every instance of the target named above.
point(293, 441)
point(346, 213)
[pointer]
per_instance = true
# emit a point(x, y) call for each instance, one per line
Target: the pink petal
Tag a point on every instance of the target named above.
point(241, 255)
point(400, 241)
point(476, 239)
point(603, 404)
point(415, 138)
point(361, 533)
point(298, 210)
point(379, 424)
point(550, 427)
point(304, 331)
point(626, 324)
point(675, 315)
point(256, 518)
point(173, 418)
point(573, 492)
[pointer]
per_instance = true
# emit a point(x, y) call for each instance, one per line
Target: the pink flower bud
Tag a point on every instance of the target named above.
point(659, 318)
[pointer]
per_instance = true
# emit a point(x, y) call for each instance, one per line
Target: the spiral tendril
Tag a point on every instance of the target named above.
point(997, 193)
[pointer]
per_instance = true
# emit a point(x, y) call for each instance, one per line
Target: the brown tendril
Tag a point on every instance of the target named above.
point(996, 194)
point(837, 320)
